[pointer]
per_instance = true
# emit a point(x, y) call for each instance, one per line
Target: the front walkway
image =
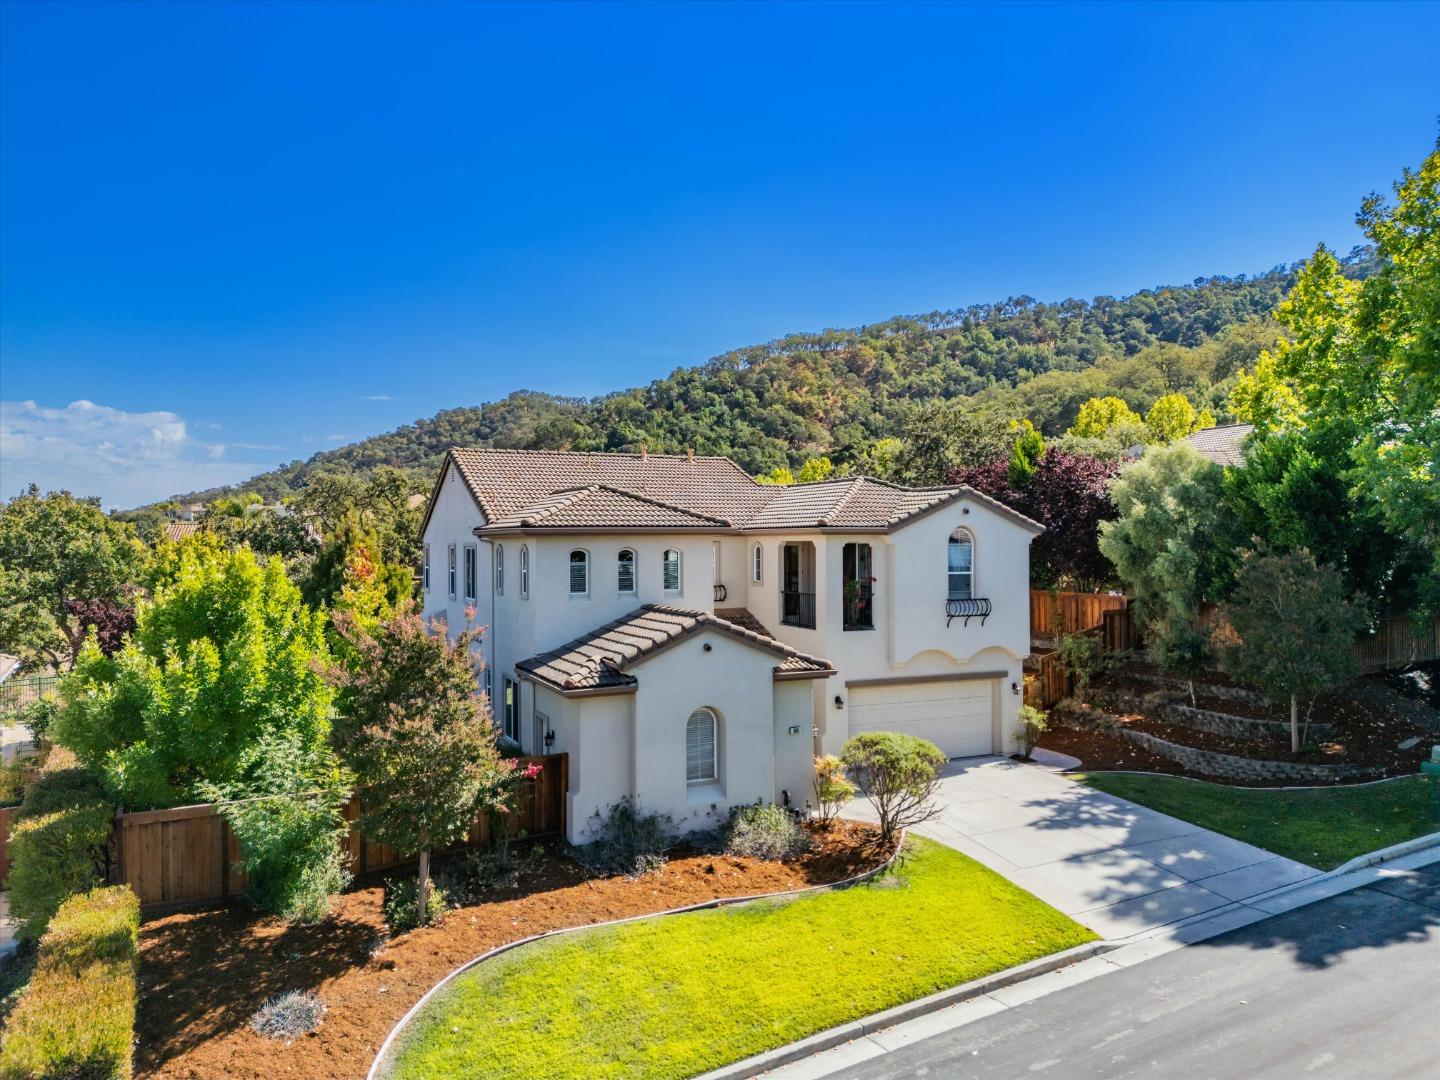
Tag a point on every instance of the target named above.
point(1109, 864)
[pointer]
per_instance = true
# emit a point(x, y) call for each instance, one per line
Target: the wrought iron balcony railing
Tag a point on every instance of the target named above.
point(967, 610)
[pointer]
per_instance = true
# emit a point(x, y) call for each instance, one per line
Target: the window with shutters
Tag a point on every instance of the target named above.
point(700, 732)
point(579, 573)
point(670, 570)
point(524, 573)
point(470, 560)
point(499, 569)
point(961, 566)
point(625, 572)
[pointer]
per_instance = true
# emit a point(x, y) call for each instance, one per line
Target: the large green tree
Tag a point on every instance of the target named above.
point(225, 655)
point(1169, 545)
point(59, 553)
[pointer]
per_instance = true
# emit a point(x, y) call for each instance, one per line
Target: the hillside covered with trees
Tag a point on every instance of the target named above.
point(838, 393)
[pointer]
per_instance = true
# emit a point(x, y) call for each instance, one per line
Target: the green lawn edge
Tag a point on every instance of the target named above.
point(676, 996)
point(1321, 827)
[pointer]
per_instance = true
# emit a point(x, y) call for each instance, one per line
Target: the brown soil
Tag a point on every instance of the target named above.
point(203, 974)
point(1098, 751)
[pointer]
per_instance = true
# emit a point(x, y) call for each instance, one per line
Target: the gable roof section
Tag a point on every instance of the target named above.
point(1224, 445)
point(599, 506)
point(600, 662)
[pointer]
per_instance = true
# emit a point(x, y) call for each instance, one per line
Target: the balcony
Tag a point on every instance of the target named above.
point(967, 610)
point(797, 609)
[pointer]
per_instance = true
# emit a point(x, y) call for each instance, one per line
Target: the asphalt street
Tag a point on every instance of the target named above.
point(1346, 988)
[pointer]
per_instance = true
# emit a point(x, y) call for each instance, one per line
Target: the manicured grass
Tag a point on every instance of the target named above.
point(675, 996)
point(1321, 827)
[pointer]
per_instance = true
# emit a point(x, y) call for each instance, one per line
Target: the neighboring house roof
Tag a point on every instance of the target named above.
point(1224, 445)
point(600, 661)
point(599, 506)
point(8, 665)
point(555, 489)
point(178, 530)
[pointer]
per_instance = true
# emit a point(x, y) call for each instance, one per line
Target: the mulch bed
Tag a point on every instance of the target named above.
point(203, 974)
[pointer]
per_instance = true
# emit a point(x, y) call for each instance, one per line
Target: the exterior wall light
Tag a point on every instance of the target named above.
point(839, 702)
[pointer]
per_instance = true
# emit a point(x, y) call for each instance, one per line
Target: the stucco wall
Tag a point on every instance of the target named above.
point(452, 521)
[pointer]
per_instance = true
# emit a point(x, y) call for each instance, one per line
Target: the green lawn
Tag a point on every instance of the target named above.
point(1321, 827)
point(676, 996)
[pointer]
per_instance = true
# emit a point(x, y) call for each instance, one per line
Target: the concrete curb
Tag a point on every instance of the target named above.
point(1394, 851)
point(868, 1025)
point(377, 1072)
point(1081, 770)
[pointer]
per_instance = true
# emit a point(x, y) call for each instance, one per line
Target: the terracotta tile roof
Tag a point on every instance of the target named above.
point(525, 489)
point(1224, 445)
point(507, 481)
point(600, 506)
point(178, 530)
point(601, 659)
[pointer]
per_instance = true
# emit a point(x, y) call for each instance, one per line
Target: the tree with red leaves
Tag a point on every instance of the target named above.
point(1067, 494)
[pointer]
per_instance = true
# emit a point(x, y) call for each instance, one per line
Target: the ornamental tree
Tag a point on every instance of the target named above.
point(224, 655)
point(1099, 415)
point(898, 774)
point(418, 737)
point(1289, 629)
point(1173, 417)
point(57, 550)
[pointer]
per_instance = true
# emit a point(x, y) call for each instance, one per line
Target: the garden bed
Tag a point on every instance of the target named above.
point(204, 974)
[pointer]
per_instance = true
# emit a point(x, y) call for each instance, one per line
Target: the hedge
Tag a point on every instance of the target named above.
point(76, 1020)
point(55, 845)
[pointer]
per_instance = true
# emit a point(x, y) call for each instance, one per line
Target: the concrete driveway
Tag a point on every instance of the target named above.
point(1117, 867)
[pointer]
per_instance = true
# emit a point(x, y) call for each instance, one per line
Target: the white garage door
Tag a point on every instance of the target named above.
point(955, 716)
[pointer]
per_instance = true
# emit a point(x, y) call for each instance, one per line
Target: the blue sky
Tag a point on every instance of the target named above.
point(240, 234)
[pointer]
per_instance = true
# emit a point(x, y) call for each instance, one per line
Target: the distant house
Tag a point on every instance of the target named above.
point(9, 665)
point(178, 530)
point(693, 639)
point(1224, 445)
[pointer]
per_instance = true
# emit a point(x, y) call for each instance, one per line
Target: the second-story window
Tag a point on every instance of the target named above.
point(961, 566)
point(425, 569)
point(857, 583)
point(670, 571)
point(579, 573)
point(499, 569)
point(470, 571)
point(625, 572)
point(524, 572)
point(757, 562)
point(452, 571)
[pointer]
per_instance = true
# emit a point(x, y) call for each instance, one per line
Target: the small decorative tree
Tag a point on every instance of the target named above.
point(898, 774)
point(833, 789)
point(1291, 629)
point(1032, 725)
point(418, 737)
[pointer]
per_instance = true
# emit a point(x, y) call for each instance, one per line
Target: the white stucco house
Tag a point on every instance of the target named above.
point(692, 638)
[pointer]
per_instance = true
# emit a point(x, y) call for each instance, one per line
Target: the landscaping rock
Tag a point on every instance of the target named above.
point(1235, 727)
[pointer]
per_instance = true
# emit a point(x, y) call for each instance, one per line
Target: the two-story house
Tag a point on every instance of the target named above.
point(693, 638)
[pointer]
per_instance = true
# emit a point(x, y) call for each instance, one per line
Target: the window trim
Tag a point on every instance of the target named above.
point(959, 537)
point(510, 708)
point(714, 774)
point(454, 578)
point(679, 589)
point(757, 563)
point(524, 572)
point(472, 572)
point(620, 564)
point(570, 564)
point(499, 569)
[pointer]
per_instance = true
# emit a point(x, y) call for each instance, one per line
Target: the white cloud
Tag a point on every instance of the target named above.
point(125, 458)
point(377, 397)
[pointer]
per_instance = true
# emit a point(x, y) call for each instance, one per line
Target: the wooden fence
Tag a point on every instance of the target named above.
point(187, 854)
point(1055, 613)
point(1396, 643)
point(6, 813)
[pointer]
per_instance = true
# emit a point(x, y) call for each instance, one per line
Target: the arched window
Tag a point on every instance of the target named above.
point(700, 732)
point(524, 573)
point(499, 569)
point(756, 563)
point(961, 566)
point(670, 570)
point(625, 571)
point(579, 572)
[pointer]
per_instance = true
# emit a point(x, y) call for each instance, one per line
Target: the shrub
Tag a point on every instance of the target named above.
point(833, 789)
point(898, 774)
point(765, 831)
point(469, 877)
point(402, 909)
point(56, 845)
point(38, 716)
point(288, 1016)
point(626, 841)
point(1032, 725)
point(13, 776)
point(77, 1019)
